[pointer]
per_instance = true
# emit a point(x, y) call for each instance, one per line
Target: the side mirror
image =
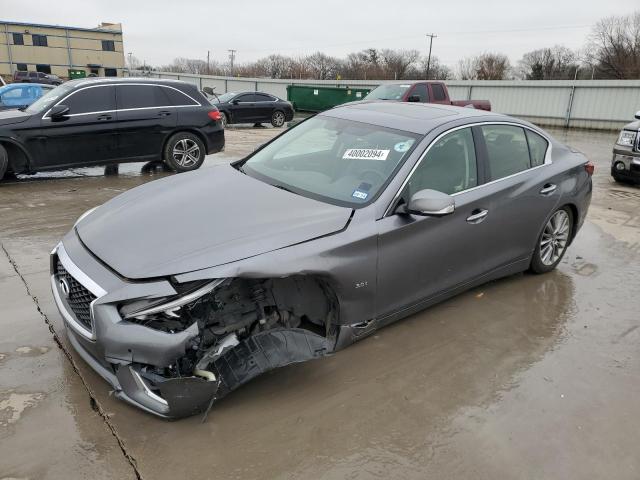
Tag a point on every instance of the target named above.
point(637, 115)
point(235, 102)
point(58, 112)
point(413, 98)
point(430, 203)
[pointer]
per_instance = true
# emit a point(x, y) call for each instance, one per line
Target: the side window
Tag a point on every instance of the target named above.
point(108, 46)
point(39, 40)
point(141, 96)
point(91, 100)
point(449, 166)
point(177, 98)
point(261, 97)
point(420, 90)
point(507, 150)
point(438, 92)
point(248, 97)
point(537, 148)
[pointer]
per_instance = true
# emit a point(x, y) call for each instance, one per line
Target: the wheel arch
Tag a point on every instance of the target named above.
point(19, 160)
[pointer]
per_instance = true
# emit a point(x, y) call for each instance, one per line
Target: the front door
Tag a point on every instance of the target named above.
point(86, 135)
point(146, 117)
point(244, 108)
point(420, 257)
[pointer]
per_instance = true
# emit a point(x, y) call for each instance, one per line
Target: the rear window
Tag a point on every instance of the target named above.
point(537, 148)
point(177, 97)
point(507, 150)
point(140, 96)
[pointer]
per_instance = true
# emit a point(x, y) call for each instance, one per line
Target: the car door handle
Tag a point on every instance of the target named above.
point(104, 117)
point(478, 215)
point(164, 113)
point(548, 189)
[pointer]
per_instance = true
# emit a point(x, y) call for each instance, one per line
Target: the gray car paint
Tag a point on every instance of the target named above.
point(381, 266)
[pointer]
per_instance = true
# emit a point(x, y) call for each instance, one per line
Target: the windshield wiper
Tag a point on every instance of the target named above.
point(284, 188)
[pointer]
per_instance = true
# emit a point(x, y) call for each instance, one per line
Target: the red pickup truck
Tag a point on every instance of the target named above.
point(426, 92)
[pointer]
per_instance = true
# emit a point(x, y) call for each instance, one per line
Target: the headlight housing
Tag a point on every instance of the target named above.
point(627, 138)
point(167, 313)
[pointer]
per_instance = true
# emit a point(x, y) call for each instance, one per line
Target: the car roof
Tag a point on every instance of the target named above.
point(116, 80)
point(412, 117)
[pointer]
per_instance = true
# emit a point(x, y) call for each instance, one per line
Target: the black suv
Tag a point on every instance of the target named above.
point(103, 121)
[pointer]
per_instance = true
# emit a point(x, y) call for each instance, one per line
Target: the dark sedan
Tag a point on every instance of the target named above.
point(253, 107)
point(345, 223)
point(106, 121)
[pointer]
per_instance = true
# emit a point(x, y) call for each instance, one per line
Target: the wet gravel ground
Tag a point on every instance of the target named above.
point(526, 377)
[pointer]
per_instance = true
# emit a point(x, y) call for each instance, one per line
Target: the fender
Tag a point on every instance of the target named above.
point(16, 143)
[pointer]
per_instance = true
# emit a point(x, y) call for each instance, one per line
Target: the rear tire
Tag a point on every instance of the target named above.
point(277, 119)
point(184, 152)
point(224, 119)
point(4, 161)
point(553, 241)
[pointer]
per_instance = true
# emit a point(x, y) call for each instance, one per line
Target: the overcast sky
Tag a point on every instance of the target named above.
point(158, 31)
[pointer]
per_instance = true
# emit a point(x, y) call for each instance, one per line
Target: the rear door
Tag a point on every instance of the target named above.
point(520, 194)
point(86, 135)
point(244, 108)
point(146, 116)
point(264, 106)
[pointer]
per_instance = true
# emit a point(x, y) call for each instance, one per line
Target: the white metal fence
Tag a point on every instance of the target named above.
point(597, 104)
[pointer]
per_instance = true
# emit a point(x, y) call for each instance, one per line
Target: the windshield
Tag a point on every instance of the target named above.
point(388, 92)
point(339, 161)
point(48, 99)
point(224, 98)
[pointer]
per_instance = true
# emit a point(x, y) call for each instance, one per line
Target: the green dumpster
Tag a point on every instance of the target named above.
point(76, 73)
point(308, 98)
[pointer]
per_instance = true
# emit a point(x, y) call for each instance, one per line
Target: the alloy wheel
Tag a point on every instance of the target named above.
point(186, 152)
point(278, 119)
point(554, 238)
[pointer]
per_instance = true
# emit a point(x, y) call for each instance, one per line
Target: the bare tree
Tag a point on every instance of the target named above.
point(398, 62)
point(187, 65)
point(556, 63)
point(323, 66)
point(467, 68)
point(614, 47)
point(492, 66)
point(437, 71)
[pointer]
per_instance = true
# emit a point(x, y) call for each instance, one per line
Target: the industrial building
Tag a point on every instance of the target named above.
point(61, 50)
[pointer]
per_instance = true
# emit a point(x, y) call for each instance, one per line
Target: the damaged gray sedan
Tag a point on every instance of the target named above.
point(181, 290)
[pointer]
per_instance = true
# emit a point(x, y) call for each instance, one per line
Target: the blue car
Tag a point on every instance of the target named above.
point(21, 95)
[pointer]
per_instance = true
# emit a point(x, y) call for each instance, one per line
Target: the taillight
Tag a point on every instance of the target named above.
point(214, 115)
point(589, 167)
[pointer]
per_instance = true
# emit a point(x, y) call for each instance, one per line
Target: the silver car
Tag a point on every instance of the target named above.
point(181, 290)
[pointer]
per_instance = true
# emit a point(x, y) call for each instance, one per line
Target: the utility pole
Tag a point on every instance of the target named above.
point(431, 37)
point(130, 54)
point(208, 68)
point(232, 57)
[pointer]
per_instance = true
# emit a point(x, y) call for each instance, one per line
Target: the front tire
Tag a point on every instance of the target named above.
point(4, 161)
point(184, 152)
point(553, 241)
point(277, 119)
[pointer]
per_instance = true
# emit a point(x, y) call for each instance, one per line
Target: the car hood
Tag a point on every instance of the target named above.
point(10, 117)
point(202, 219)
point(635, 125)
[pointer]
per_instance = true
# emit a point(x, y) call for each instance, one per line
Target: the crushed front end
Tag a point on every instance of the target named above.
point(173, 349)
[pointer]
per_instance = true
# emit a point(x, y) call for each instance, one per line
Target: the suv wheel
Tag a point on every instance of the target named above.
point(184, 152)
point(553, 241)
point(4, 161)
point(277, 119)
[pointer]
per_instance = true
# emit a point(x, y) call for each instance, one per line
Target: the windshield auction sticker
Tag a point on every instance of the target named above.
point(365, 154)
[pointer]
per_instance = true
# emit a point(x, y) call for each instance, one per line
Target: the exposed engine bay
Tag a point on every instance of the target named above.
point(246, 327)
